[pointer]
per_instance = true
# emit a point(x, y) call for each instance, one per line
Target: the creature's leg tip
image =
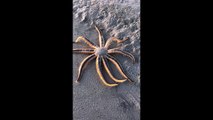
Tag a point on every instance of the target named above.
point(131, 81)
point(126, 38)
point(121, 81)
point(77, 81)
point(115, 85)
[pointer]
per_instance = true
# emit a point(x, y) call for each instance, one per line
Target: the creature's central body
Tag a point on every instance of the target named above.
point(100, 51)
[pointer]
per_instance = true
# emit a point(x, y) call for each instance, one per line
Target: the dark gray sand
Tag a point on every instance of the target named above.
point(92, 100)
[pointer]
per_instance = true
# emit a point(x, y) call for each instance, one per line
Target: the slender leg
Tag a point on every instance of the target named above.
point(86, 41)
point(118, 66)
point(123, 53)
point(100, 38)
point(110, 40)
point(109, 72)
point(83, 63)
point(83, 50)
point(98, 68)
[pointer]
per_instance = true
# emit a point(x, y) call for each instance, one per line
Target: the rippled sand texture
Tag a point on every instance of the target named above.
point(92, 100)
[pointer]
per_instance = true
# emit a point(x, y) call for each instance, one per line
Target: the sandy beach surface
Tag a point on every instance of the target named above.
point(92, 100)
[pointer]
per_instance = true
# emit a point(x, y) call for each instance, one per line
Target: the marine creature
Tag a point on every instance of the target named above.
point(102, 55)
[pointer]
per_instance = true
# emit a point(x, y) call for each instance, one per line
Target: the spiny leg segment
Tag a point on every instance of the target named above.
point(92, 45)
point(106, 66)
point(83, 63)
point(83, 50)
point(100, 37)
point(98, 68)
point(110, 40)
point(118, 66)
point(123, 53)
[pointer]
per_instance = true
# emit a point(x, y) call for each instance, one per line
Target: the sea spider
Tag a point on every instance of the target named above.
point(101, 53)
